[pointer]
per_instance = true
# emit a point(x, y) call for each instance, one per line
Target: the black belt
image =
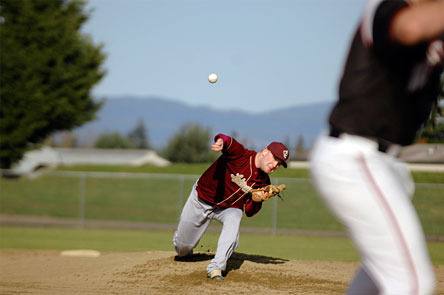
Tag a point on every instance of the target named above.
point(383, 145)
point(205, 202)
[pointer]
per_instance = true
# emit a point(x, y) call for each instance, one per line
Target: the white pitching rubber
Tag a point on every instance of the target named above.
point(80, 253)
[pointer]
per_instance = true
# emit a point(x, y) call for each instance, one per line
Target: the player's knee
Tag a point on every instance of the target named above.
point(427, 288)
point(423, 284)
point(425, 279)
point(234, 218)
point(183, 250)
point(426, 282)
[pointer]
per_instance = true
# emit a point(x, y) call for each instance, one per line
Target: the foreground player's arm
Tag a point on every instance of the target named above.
point(421, 21)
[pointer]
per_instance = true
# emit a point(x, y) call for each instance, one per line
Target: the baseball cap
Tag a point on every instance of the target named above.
point(280, 152)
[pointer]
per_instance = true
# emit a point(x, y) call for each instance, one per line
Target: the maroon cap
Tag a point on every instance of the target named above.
point(280, 152)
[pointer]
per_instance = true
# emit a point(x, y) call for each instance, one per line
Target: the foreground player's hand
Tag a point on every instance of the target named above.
point(218, 145)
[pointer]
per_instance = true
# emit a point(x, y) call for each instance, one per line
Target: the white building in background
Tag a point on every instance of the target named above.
point(423, 153)
point(53, 157)
point(427, 157)
point(109, 157)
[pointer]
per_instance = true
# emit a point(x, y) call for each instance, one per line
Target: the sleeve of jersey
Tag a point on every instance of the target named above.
point(382, 21)
point(251, 207)
point(232, 148)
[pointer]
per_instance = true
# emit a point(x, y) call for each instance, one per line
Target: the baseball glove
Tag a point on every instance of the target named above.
point(267, 192)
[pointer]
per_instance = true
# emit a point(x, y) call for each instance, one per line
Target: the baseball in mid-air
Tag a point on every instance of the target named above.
point(212, 78)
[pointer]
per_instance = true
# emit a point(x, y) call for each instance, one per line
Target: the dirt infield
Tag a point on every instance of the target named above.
point(47, 272)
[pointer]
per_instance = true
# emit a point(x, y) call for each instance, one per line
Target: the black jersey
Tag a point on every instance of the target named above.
point(387, 90)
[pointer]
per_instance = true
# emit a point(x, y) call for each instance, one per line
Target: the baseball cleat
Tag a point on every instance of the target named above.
point(216, 274)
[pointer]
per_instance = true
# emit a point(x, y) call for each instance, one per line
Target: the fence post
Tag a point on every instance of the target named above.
point(180, 200)
point(82, 184)
point(274, 214)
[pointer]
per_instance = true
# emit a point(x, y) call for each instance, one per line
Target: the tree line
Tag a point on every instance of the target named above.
point(189, 144)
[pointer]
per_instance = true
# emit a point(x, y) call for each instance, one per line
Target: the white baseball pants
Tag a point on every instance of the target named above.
point(194, 221)
point(370, 193)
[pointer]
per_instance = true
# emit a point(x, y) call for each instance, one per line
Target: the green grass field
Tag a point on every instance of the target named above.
point(197, 169)
point(280, 246)
point(159, 198)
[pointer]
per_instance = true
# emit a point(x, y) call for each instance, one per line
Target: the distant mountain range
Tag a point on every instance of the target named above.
point(163, 118)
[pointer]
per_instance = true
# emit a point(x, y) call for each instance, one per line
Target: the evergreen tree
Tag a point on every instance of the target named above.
point(299, 152)
point(68, 140)
point(235, 134)
point(190, 145)
point(113, 140)
point(138, 136)
point(433, 131)
point(47, 71)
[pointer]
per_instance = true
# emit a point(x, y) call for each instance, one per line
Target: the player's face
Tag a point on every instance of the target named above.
point(269, 164)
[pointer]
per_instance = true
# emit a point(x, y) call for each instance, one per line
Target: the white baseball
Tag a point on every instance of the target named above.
point(212, 78)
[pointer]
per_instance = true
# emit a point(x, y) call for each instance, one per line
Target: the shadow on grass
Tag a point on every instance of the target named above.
point(235, 261)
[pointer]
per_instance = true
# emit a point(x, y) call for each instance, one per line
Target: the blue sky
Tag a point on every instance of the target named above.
point(268, 54)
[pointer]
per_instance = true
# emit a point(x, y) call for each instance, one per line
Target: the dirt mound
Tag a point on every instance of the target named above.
point(47, 272)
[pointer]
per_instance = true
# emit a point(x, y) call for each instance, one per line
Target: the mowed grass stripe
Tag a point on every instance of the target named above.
point(279, 246)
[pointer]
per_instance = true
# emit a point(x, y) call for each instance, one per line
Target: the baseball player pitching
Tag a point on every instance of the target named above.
point(230, 186)
point(389, 85)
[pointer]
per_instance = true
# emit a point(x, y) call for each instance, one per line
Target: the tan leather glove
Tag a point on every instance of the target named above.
point(267, 192)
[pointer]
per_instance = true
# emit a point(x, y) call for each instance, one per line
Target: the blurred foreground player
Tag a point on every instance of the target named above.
point(389, 85)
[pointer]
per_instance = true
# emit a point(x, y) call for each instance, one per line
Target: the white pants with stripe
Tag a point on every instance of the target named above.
point(370, 193)
point(194, 221)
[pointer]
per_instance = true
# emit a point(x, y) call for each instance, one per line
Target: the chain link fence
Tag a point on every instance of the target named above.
point(156, 200)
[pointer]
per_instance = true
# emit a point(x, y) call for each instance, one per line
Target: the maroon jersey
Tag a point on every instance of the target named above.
point(215, 186)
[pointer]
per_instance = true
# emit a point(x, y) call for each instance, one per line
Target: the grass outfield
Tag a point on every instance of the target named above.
point(280, 246)
point(159, 198)
point(197, 169)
